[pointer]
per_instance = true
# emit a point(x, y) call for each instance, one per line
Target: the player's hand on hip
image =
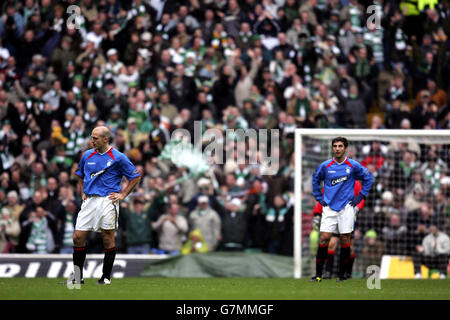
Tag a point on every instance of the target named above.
point(356, 199)
point(323, 203)
point(116, 196)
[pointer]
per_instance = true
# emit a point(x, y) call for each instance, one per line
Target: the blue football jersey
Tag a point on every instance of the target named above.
point(339, 182)
point(102, 172)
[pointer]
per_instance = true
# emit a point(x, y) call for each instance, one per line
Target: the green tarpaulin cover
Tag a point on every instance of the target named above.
point(222, 264)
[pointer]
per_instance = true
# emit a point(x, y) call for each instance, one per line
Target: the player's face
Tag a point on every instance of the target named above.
point(339, 150)
point(97, 141)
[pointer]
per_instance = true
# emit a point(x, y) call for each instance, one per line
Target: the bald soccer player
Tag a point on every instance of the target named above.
point(100, 173)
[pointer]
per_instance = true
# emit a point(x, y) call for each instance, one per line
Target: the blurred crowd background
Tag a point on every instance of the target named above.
point(146, 68)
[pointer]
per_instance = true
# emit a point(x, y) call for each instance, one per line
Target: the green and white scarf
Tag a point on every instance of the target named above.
point(270, 216)
point(375, 40)
point(68, 231)
point(38, 236)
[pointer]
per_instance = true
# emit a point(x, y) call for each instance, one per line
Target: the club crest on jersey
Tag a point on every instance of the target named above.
point(347, 170)
point(339, 180)
point(108, 163)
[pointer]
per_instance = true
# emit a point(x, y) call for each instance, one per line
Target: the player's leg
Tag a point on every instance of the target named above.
point(110, 255)
point(79, 249)
point(108, 224)
point(84, 224)
point(332, 245)
point(78, 257)
point(344, 257)
point(349, 270)
point(346, 223)
point(328, 226)
point(321, 255)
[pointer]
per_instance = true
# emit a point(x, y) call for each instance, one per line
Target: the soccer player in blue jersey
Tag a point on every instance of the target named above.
point(338, 201)
point(100, 173)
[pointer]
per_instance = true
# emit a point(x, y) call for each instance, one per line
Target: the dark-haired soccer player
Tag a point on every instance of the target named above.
point(332, 245)
point(100, 173)
point(338, 201)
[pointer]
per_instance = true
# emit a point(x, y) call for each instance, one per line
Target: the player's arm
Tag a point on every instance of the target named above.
point(317, 178)
point(123, 194)
point(317, 211)
point(360, 205)
point(131, 174)
point(80, 174)
point(364, 175)
point(81, 184)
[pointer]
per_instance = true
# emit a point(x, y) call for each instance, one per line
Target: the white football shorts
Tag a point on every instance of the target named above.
point(98, 213)
point(338, 221)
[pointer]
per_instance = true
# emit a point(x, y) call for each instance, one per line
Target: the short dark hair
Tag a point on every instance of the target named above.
point(340, 139)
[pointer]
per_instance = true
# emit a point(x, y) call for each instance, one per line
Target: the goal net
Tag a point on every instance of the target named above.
point(409, 195)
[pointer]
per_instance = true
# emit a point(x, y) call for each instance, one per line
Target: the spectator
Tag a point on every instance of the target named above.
point(67, 227)
point(13, 21)
point(394, 235)
point(13, 204)
point(171, 228)
point(138, 229)
point(9, 231)
point(398, 112)
point(437, 95)
point(41, 239)
point(375, 154)
point(418, 224)
point(93, 54)
point(396, 91)
point(355, 109)
point(208, 221)
point(383, 212)
point(433, 252)
point(364, 72)
point(235, 221)
point(373, 250)
point(28, 157)
point(245, 79)
point(275, 217)
point(194, 243)
point(62, 55)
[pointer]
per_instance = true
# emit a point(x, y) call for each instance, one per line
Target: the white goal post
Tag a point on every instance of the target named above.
point(382, 135)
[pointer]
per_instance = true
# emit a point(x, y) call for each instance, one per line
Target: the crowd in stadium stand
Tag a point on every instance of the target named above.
point(146, 68)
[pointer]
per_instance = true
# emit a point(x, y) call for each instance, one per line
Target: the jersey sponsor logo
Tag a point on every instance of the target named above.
point(97, 173)
point(339, 180)
point(332, 171)
point(91, 163)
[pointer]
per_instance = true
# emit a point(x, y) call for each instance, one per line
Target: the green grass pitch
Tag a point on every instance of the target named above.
point(223, 289)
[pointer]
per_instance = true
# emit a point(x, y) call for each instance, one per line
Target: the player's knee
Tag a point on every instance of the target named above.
point(324, 238)
point(345, 239)
point(108, 239)
point(77, 240)
point(333, 244)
